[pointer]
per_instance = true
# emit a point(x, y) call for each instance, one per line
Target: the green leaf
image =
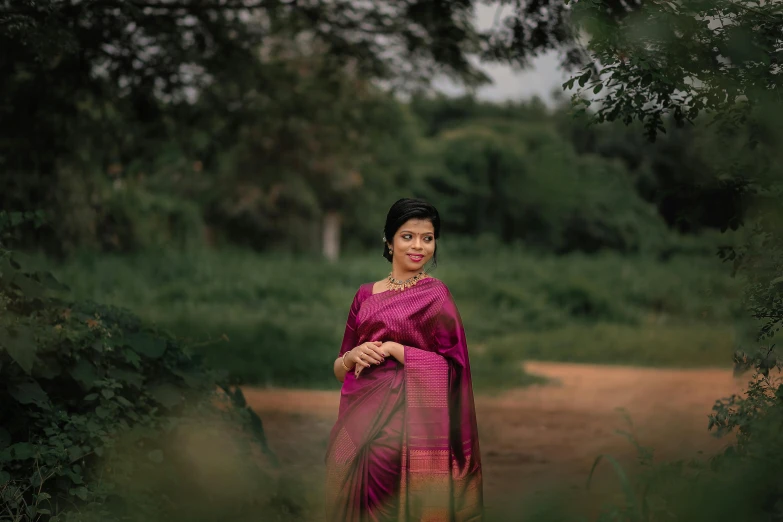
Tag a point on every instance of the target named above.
point(36, 479)
point(166, 394)
point(50, 282)
point(4, 477)
point(127, 377)
point(155, 456)
point(75, 477)
point(630, 497)
point(76, 453)
point(84, 373)
point(192, 380)
point(598, 88)
point(30, 393)
point(22, 451)
point(29, 287)
point(133, 358)
point(80, 492)
point(147, 345)
point(20, 344)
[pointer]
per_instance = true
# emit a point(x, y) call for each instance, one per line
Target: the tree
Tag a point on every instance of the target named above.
point(104, 91)
point(680, 59)
point(520, 179)
point(96, 88)
point(674, 62)
point(305, 156)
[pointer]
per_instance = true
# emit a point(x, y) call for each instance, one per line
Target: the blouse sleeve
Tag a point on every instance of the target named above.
point(349, 337)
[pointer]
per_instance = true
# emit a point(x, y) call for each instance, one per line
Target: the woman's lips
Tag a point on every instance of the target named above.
point(415, 258)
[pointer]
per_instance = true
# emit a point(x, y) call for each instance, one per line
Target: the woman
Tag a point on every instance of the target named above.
point(405, 445)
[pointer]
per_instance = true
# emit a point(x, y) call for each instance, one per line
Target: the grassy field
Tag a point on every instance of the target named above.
point(278, 320)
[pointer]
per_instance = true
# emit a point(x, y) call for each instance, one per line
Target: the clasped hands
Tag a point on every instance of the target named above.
point(372, 352)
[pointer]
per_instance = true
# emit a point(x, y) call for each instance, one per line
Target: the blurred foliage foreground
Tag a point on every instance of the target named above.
point(102, 415)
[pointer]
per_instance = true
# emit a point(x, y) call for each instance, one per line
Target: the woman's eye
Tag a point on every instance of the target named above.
point(406, 236)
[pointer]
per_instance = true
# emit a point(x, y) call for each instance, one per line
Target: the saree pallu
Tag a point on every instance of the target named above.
point(405, 444)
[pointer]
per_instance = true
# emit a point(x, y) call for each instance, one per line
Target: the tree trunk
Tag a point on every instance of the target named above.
point(331, 236)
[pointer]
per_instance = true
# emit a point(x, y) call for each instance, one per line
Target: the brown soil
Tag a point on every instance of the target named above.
point(536, 438)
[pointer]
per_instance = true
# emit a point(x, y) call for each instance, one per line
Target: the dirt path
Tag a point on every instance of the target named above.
point(537, 437)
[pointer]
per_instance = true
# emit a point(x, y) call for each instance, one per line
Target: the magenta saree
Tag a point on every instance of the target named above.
point(405, 445)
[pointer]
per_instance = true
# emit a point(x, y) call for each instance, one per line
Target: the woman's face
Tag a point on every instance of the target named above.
point(413, 245)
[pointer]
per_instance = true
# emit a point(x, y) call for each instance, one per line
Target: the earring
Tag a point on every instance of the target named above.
point(390, 250)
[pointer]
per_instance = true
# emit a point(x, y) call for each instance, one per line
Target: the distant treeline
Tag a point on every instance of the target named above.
point(518, 172)
point(135, 125)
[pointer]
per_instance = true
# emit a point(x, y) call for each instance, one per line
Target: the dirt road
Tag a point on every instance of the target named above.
point(538, 437)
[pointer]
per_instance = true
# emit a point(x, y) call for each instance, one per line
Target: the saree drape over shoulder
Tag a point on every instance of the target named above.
point(405, 445)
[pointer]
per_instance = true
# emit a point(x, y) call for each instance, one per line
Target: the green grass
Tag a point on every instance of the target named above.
point(284, 316)
point(694, 345)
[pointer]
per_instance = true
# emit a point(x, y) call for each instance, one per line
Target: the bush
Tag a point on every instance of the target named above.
point(76, 376)
point(523, 182)
point(133, 219)
point(84, 386)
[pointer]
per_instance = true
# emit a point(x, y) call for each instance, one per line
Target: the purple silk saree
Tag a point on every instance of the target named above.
point(405, 445)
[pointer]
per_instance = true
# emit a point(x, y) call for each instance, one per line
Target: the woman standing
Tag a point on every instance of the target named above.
point(405, 445)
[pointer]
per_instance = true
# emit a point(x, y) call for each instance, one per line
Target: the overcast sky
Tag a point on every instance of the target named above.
point(541, 78)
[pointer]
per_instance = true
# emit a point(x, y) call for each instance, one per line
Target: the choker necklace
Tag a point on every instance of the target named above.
point(397, 284)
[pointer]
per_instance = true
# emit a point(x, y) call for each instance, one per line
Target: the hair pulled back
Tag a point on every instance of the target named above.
point(401, 211)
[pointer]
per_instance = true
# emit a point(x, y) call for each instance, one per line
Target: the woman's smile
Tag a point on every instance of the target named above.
point(416, 258)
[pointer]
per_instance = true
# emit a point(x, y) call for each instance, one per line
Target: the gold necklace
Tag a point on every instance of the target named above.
point(397, 284)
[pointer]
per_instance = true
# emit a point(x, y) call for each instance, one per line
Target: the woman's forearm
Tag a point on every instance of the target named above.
point(397, 351)
point(339, 370)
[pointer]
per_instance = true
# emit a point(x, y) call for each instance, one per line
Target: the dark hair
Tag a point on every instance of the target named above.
point(401, 211)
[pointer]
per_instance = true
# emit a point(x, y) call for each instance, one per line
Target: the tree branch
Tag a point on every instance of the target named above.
point(178, 5)
point(194, 5)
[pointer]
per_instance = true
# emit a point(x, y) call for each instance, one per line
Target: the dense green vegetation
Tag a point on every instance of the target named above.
point(605, 308)
point(96, 402)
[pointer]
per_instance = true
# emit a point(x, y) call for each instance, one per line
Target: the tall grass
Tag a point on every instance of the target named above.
point(277, 319)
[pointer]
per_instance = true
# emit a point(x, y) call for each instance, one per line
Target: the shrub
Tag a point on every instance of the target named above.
point(79, 379)
point(134, 219)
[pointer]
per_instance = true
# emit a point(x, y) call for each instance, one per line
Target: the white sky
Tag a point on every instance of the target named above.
point(541, 78)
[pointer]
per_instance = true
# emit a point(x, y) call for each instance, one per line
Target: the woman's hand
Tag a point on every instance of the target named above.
point(389, 348)
point(364, 355)
point(396, 350)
